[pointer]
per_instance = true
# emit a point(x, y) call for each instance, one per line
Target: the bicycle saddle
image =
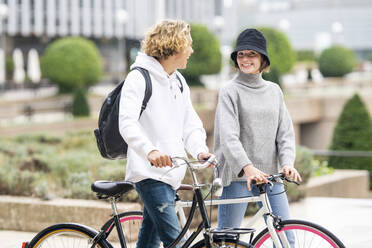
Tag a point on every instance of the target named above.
point(106, 189)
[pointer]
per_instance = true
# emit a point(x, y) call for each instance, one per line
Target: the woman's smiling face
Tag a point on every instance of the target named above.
point(249, 61)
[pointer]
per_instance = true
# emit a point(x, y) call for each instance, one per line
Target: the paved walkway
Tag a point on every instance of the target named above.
point(348, 219)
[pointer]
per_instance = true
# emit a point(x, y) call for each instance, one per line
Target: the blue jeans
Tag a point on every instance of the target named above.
point(231, 215)
point(160, 222)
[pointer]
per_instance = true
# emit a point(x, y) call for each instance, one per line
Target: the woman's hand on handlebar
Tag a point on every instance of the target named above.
point(291, 173)
point(254, 174)
point(159, 159)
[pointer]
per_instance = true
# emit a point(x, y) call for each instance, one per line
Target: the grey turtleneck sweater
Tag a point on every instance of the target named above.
point(252, 126)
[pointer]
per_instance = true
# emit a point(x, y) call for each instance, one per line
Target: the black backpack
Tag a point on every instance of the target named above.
point(110, 143)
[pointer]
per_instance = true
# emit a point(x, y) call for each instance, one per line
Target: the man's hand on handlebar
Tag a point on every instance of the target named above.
point(159, 159)
point(204, 156)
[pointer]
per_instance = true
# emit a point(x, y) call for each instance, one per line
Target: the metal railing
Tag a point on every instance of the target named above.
point(342, 153)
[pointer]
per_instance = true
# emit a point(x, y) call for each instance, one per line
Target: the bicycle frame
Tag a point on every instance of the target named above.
point(264, 211)
point(199, 201)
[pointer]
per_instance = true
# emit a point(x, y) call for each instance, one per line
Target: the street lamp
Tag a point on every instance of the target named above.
point(3, 16)
point(121, 19)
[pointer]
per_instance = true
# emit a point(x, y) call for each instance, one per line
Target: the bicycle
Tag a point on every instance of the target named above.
point(307, 234)
point(128, 223)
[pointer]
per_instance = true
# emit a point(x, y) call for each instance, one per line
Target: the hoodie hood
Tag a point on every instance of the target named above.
point(153, 66)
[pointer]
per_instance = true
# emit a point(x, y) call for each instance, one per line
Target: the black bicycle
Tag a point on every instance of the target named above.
point(74, 235)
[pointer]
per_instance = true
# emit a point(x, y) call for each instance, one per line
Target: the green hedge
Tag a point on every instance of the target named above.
point(336, 61)
point(48, 167)
point(305, 55)
point(207, 57)
point(72, 62)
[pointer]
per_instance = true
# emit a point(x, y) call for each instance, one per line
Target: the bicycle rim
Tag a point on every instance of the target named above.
point(131, 223)
point(306, 234)
point(63, 238)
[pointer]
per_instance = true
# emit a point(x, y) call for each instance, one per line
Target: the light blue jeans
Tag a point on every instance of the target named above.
point(231, 215)
point(160, 222)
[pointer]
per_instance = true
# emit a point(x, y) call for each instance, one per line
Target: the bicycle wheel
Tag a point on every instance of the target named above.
point(306, 235)
point(227, 243)
point(131, 223)
point(66, 235)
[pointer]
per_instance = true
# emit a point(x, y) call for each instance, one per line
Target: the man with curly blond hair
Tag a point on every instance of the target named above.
point(167, 127)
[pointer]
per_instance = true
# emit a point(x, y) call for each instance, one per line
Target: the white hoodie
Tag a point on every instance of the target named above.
point(168, 124)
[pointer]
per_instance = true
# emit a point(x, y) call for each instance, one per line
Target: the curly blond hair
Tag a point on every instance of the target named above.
point(167, 38)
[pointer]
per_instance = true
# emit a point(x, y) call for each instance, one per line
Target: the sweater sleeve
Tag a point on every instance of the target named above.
point(228, 131)
point(285, 138)
point(194, 135)
point(130, 129)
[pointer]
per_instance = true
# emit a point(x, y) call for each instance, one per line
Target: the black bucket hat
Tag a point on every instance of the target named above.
point(250, 39)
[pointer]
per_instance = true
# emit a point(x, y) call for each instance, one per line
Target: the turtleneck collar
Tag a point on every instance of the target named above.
point(254, 81)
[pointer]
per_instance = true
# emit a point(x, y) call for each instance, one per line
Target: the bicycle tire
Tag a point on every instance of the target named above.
point(131, 223)
point(66, 235)
point(307, 235)
point(226, 243)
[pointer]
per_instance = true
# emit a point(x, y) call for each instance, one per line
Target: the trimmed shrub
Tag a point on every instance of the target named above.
point(72, 62)
point(80, 106)
point(336, 61)
point(207, 57)
point(282, 56)
point(353, 132)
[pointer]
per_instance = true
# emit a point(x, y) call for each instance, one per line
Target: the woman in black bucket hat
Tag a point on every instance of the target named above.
point(253, 135)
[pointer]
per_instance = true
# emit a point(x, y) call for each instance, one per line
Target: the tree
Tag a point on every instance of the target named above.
point(72, 62)
point(80, 106)
point(336, 61)
point(281, 54)
point(353, 132)
point(207, 57)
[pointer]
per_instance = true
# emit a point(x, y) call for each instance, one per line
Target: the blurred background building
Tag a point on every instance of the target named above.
point(314, 24)
point(116, 26)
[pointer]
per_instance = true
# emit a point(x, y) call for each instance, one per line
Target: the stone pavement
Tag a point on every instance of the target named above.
point(348, 219)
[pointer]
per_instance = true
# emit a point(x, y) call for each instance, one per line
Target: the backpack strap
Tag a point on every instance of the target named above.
point(180, 85)
point(148, 90)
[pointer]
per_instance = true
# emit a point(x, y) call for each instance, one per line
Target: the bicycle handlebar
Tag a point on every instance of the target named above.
point(204, 165)
point(192, 164)
point(272, 178)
